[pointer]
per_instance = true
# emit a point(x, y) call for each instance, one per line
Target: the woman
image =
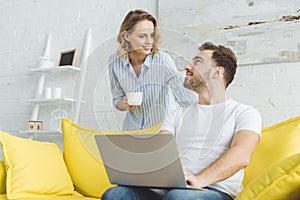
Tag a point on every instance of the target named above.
point(139, 66)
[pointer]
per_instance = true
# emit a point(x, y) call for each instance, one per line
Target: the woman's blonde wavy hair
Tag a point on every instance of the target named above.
point(132, 18)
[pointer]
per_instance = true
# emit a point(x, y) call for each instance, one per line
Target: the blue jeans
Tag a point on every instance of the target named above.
point(138, 193)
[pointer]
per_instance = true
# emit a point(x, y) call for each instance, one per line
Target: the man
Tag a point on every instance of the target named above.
point(215, 137)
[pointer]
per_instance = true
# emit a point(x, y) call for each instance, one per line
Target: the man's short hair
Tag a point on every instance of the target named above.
point(222, 56)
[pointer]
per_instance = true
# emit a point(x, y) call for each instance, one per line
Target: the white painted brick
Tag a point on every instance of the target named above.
point(240, 92)
point(294, 111)
point(101, 116)
point(263, 75)
point(86, 107)
point(289, 74)
point(278, 114)
point(104, 107)
point(270, 90)
point(108, 98)
point(284, 100)
point(246, 94)
point(101, 121)
point(243, 76)
point(88, 120)
point(295, 88)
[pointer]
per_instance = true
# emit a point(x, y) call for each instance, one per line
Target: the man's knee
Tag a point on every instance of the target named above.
point(133, 193)
point(113, 193)
point(176, 195)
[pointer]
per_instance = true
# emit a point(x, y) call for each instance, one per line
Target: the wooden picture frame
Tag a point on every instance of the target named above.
point(34, 125)
point(67, 57)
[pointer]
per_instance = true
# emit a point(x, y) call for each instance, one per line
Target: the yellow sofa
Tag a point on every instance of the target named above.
point(274, 169)
point(273, 173)
point(38, 170)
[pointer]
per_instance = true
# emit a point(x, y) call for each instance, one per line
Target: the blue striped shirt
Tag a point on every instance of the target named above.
point(158, 75)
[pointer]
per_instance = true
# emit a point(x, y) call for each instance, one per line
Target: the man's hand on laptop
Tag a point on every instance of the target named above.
point(165, 132)
point(192, 180)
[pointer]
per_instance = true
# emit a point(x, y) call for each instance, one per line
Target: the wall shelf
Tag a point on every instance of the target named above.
point(53, 100)
point(53, 132)
point(56, 69)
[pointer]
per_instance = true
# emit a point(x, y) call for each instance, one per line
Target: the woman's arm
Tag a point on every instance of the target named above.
point(119, 98)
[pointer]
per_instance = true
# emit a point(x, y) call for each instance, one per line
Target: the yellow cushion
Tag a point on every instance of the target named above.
point(279, 181)
point(277, 142)
point(34, 169)
point(58, 198)
point(2, 178)
point(83, 159)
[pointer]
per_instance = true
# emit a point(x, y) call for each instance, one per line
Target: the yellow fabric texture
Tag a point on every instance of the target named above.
point(279, 181)
point(3, 197)
point(34, 169)
point(2, 178)
point(56, 198)
point(83, 159)
point(277, 142)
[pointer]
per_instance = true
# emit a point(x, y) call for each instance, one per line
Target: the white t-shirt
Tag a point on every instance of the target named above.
point(204, 132)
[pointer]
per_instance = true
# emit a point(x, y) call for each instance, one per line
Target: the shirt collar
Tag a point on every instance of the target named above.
point(147, 62)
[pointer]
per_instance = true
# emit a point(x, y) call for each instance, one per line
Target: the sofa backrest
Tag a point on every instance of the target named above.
point(83, 159)
point(277, 142)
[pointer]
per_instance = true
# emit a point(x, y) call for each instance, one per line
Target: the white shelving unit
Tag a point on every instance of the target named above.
point(39, 99)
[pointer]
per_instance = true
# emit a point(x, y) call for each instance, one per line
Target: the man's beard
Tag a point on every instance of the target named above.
point(187, 85)
point(194, 85)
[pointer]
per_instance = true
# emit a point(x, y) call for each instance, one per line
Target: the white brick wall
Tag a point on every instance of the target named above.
point(272, 88)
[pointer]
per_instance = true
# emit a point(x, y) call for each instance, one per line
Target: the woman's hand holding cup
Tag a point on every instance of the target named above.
point(123, 104)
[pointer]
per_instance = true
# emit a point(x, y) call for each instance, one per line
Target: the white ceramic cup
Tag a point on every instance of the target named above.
point(135, 98)
point(48, 93)
point(57, 92)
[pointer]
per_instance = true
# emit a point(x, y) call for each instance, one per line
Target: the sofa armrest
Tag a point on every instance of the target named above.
point(2, 178)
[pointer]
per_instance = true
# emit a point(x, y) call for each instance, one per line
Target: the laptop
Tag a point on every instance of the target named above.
point(144, 160)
